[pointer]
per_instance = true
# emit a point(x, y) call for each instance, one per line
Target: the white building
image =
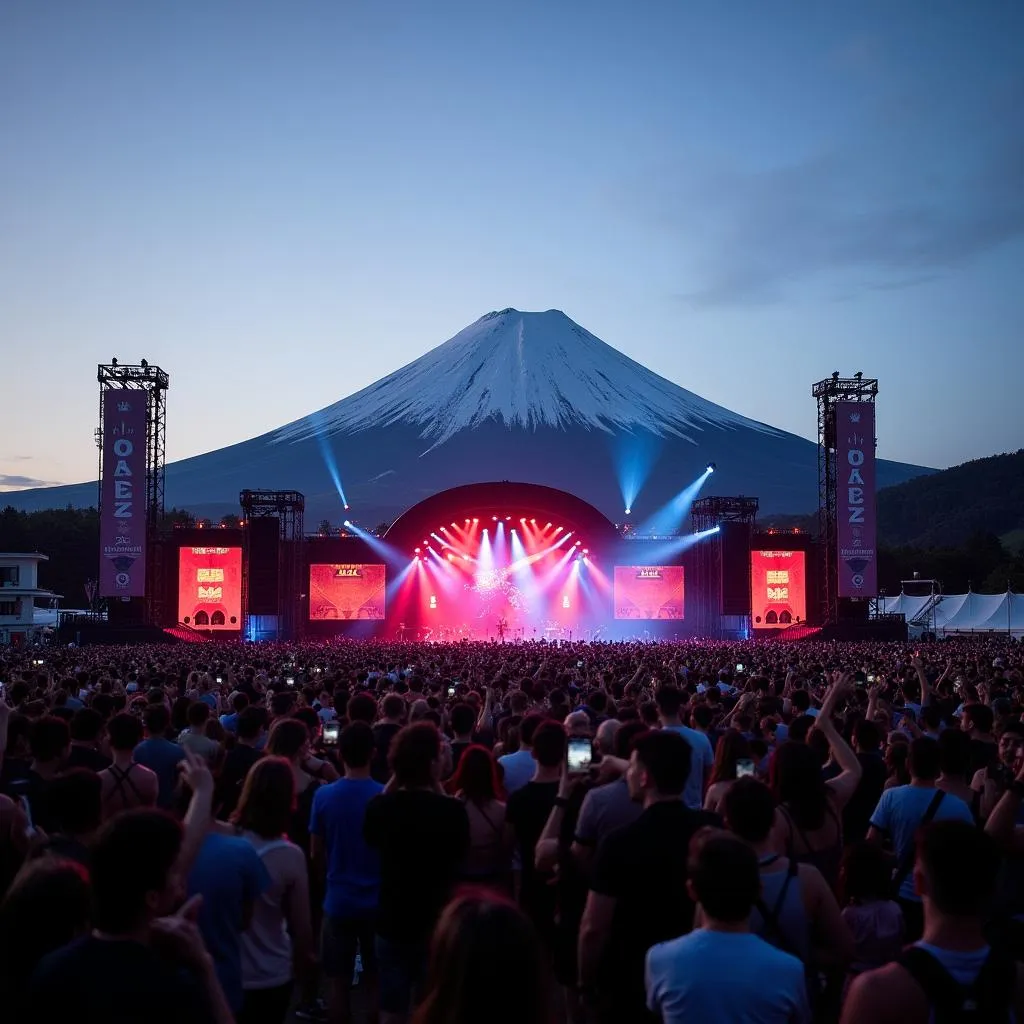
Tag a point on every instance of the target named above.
point(19, 592)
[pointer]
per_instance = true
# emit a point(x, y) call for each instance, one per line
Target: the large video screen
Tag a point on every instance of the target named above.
point(778, 588)
point(649, 592)
point(346, 592)
point(210, 587)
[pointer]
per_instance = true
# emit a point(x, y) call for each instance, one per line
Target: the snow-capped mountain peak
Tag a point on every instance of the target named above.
point(527, 370)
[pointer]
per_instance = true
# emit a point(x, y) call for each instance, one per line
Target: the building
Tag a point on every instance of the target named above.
point(19, 594)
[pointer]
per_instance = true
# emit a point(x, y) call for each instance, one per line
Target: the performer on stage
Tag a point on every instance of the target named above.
point(502, 626)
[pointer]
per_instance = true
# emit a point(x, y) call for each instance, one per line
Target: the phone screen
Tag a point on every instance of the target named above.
point(739, 668)
point(451, 691)
point(745, 768)
point(579, 754)
point(290, 681)
point(330, 734)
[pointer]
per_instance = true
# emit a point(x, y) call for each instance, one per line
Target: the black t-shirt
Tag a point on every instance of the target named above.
point(982, 755)
point(86, 757)
point(422, 838)
point(643, 867)
point(232, 777)
point(527, 812)
point(857, 813)
point(117, 982)
point(459, 747)
point(383, 734)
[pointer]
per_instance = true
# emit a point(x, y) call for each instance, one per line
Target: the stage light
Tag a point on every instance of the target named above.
point(586, 551)
point(476, 520)
point(629, 511)
point(533, 522)
point(711, 467)
point(347, 507)
point(346, 523)
point(523, 521)
point(451, 557)
point(494, 519)
point(507, 518)
point(454, 527)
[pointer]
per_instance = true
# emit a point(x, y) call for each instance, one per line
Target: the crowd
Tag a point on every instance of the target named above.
point(488, 833)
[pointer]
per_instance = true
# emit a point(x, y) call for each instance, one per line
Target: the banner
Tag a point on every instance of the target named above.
point(855, 499)
point(778, 590)
point(210, 587)
point(346, 592)
point(649, 592)
point(123, 495)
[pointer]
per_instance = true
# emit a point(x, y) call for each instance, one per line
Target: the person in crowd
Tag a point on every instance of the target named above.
point(486, 964)
point(86, 736)
point(904, 809)
point(732, 747)
point(126, 784)
point(897, 757)
point(952, 972)
point(721, 973)
point(289, 738)
point(463, 719)
point(159, 754)
point(49, 743)
point(527, 813)
point(392, 709)
point(808, 828)
point(475, 783)
point(247, 750)
point(422, 837)
point(351, 869)
point(954, 760)
point(277, 947)
point(75, 803)
point(47, 907)
point(518, 768)
point(142, 937)
point(873, 918)
point(702, 759)
point(194, 737)
point(992, 781)
point(229, 876)
point(797, 911)
point(977, 721)
point(638, 894)
point(867, 743)
point(239, 702)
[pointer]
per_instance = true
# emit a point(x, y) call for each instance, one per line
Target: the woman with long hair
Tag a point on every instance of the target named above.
point(278, 946)
point(475, 783)
point(479, 935)
point(290, 739)
point(808, 822)
point(732, 747)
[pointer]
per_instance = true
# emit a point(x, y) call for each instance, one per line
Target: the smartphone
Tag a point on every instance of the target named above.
point(451, 691)
point(331, 731)
point(290, 681)
point(740, 668)
point(745, 767)
point(579, 664)
point(220, 680)
point(579, 754)
point(871, 677)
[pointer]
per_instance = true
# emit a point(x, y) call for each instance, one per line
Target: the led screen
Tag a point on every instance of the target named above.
point(778, 588)
point(346, 592)
point(210, 587)
point(649, 592)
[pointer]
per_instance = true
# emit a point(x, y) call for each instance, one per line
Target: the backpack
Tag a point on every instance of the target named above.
point(989, 1000)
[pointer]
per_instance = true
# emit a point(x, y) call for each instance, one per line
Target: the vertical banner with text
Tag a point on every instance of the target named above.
point(123, 490)
point(855, 499)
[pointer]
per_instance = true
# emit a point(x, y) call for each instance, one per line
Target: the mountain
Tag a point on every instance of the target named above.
point(946, 509)
point(514, 396)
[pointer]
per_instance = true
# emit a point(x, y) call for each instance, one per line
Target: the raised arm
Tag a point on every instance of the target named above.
point(845, 784)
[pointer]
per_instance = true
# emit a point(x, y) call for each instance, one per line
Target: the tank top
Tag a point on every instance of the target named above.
point(827, 859)
point(788, 928)
point(266, 945)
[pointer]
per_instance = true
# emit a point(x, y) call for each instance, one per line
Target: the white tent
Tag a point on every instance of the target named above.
point(951, 614)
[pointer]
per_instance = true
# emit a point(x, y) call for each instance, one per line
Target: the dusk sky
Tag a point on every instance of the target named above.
point(281, 202)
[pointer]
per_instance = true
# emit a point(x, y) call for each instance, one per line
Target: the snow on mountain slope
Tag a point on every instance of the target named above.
point(526, 370)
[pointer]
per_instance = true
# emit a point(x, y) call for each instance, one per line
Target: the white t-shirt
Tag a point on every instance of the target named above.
point(725, 978)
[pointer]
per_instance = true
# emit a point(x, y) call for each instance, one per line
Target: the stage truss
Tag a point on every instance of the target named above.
point(113, 377)
point(828, 392)
point(706, 514)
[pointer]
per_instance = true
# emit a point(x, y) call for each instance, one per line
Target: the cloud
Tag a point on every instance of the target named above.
point(908, 200)
point(13, 482)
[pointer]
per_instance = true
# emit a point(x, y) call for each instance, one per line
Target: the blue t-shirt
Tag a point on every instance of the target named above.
point(353, 867)
point(229, 874)
point(899, 814)
point(163, 757)
point(518, 768)
point(701, 763)
point(230, 722)
point(725, 978)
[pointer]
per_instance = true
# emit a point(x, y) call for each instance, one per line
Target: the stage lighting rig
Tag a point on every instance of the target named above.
point(712, 467)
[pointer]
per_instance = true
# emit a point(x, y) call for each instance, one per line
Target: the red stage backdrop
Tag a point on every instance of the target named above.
point(210, 587)
point(346, 592)
point(649, 592)
point(123, 488)
point(778, 588)
point(855, 473)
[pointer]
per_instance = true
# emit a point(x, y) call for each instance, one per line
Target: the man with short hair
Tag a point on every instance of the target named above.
point(159, 754)
point(518, 768)
point(721, 972)
point(669, 700)
point(352, 869)
point(638, 895)
point(239, 702)
point(194, 738)
point(136, 963)
point(463, 719)
point(86, 730)
point(952, 969)
point(903, 809)
point(243, 755)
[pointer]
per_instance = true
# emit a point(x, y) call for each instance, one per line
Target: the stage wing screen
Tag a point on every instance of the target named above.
point(210, 587)
point(649, 592)
point(778, 588)
point(340, 592)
